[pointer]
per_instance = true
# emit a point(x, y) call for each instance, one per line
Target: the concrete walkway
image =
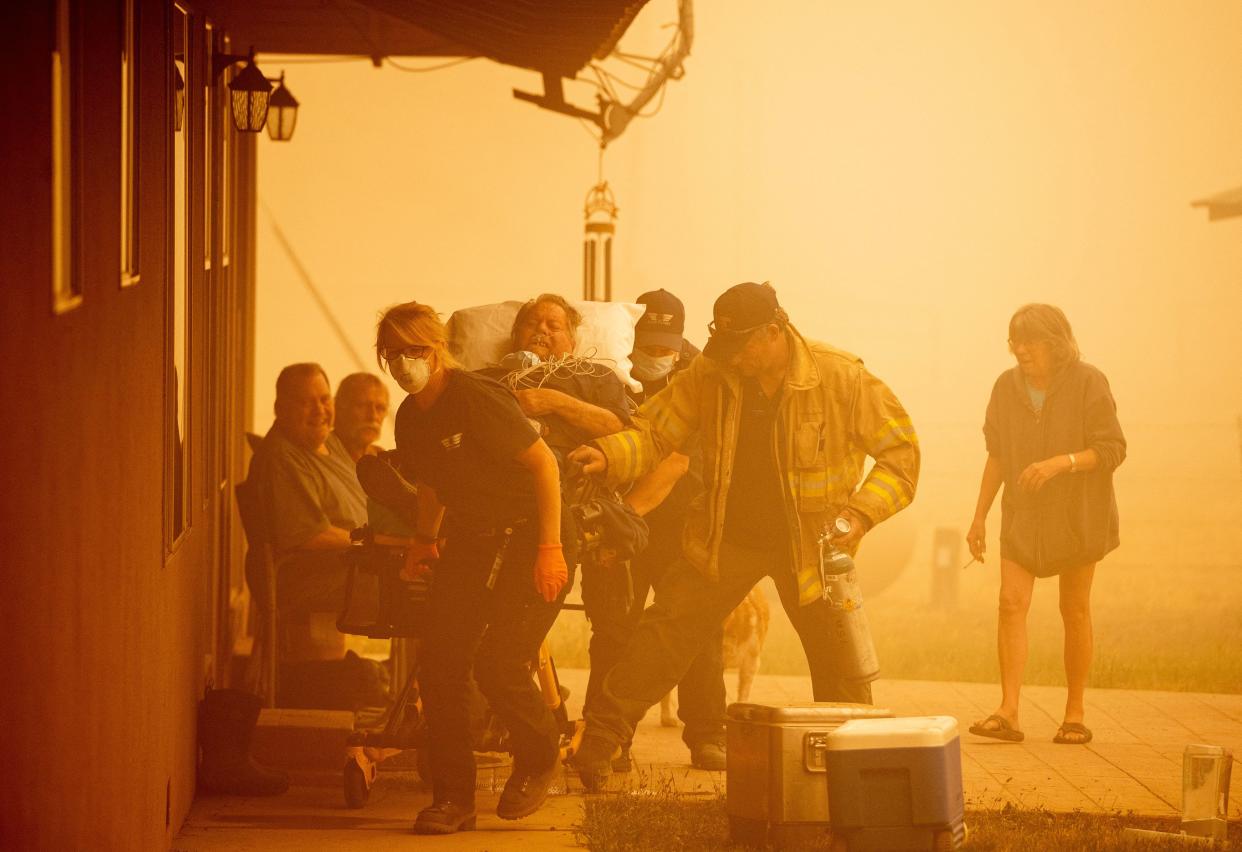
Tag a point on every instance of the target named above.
point(1133, 764)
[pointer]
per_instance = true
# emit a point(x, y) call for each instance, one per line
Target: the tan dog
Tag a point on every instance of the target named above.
point(745, 630)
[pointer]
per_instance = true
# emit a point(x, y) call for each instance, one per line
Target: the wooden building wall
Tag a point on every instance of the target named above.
point(112, 625)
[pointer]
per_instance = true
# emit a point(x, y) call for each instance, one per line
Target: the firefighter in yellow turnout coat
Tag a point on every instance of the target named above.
point(786, 425)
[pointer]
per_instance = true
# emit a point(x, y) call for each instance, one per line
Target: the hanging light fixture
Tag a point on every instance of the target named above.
point(250, 94)
point(178, 98)
point(282, 112)
point(600, 213)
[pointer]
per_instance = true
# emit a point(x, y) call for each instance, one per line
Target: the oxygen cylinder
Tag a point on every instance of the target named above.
point(851, 634)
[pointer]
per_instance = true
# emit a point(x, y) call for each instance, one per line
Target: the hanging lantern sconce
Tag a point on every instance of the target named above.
point(282, 112)
point(254, 104)
point(251, 93)
point(600, 212)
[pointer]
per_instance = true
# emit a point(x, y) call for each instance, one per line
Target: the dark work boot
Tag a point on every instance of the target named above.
point(623, 762)
point(445, 818)
point(525, 792)
point(708, 755)
point(226, 720)
point(593, 760)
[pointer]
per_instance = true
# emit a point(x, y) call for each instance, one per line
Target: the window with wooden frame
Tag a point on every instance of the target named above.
point(66, 277)
point(129, 143)
point(224, 111)
point(209, 108)
point(183, 76)
point(212, 280)
point(220, 282)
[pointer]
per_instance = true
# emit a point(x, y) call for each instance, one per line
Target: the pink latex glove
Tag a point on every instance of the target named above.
point(551, 572)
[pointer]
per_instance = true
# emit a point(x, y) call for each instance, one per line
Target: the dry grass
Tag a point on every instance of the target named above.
point(1155, 629)
point(657, 819)
point(653, 816)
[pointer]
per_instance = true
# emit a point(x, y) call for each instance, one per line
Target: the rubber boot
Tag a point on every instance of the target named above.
point(226, 720)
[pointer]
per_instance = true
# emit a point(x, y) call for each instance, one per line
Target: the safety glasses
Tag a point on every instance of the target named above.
point(392, 354)
point(711, 329)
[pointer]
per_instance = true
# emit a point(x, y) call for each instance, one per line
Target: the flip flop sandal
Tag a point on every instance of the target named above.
point(1082, 734)
point(1002, 730)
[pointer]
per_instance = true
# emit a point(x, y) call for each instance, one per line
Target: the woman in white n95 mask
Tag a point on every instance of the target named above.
point(489, 516)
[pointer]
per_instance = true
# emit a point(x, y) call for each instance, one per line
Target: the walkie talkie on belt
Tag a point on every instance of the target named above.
point(499, 561)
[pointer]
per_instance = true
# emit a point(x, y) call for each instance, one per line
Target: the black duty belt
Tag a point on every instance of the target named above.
point(466, 528)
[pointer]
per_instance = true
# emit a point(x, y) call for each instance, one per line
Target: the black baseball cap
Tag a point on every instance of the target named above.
point(738, 312)
point(664, 323)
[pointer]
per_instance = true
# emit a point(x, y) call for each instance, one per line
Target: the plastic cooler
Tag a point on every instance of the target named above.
point(775, 779)
point(896, 784)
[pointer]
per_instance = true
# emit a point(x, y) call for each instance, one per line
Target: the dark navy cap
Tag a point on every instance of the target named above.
point(664, 323)
point(738, 312)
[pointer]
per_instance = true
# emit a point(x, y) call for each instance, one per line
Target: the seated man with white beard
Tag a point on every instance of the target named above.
point(361, 406)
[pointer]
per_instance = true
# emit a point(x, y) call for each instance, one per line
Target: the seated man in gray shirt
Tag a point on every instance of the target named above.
point(310, 492)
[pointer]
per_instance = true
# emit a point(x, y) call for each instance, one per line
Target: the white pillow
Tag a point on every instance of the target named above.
point(479, 336)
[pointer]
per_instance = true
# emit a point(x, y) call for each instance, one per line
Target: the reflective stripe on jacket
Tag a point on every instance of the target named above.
point(832, 415)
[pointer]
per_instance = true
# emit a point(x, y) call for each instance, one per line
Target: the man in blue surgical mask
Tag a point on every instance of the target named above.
point(660, 349)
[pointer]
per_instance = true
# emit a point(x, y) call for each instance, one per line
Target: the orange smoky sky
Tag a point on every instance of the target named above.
point(905, 174)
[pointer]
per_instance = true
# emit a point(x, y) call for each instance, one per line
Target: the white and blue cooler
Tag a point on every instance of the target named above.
point(896, 784)
point(775, 792)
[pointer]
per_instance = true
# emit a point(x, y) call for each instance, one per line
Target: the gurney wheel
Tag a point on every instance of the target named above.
point(357, 791)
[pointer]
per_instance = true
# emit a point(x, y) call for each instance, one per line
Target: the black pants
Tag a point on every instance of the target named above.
point(700, 691)
point(498, 632)
point(689, 607)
